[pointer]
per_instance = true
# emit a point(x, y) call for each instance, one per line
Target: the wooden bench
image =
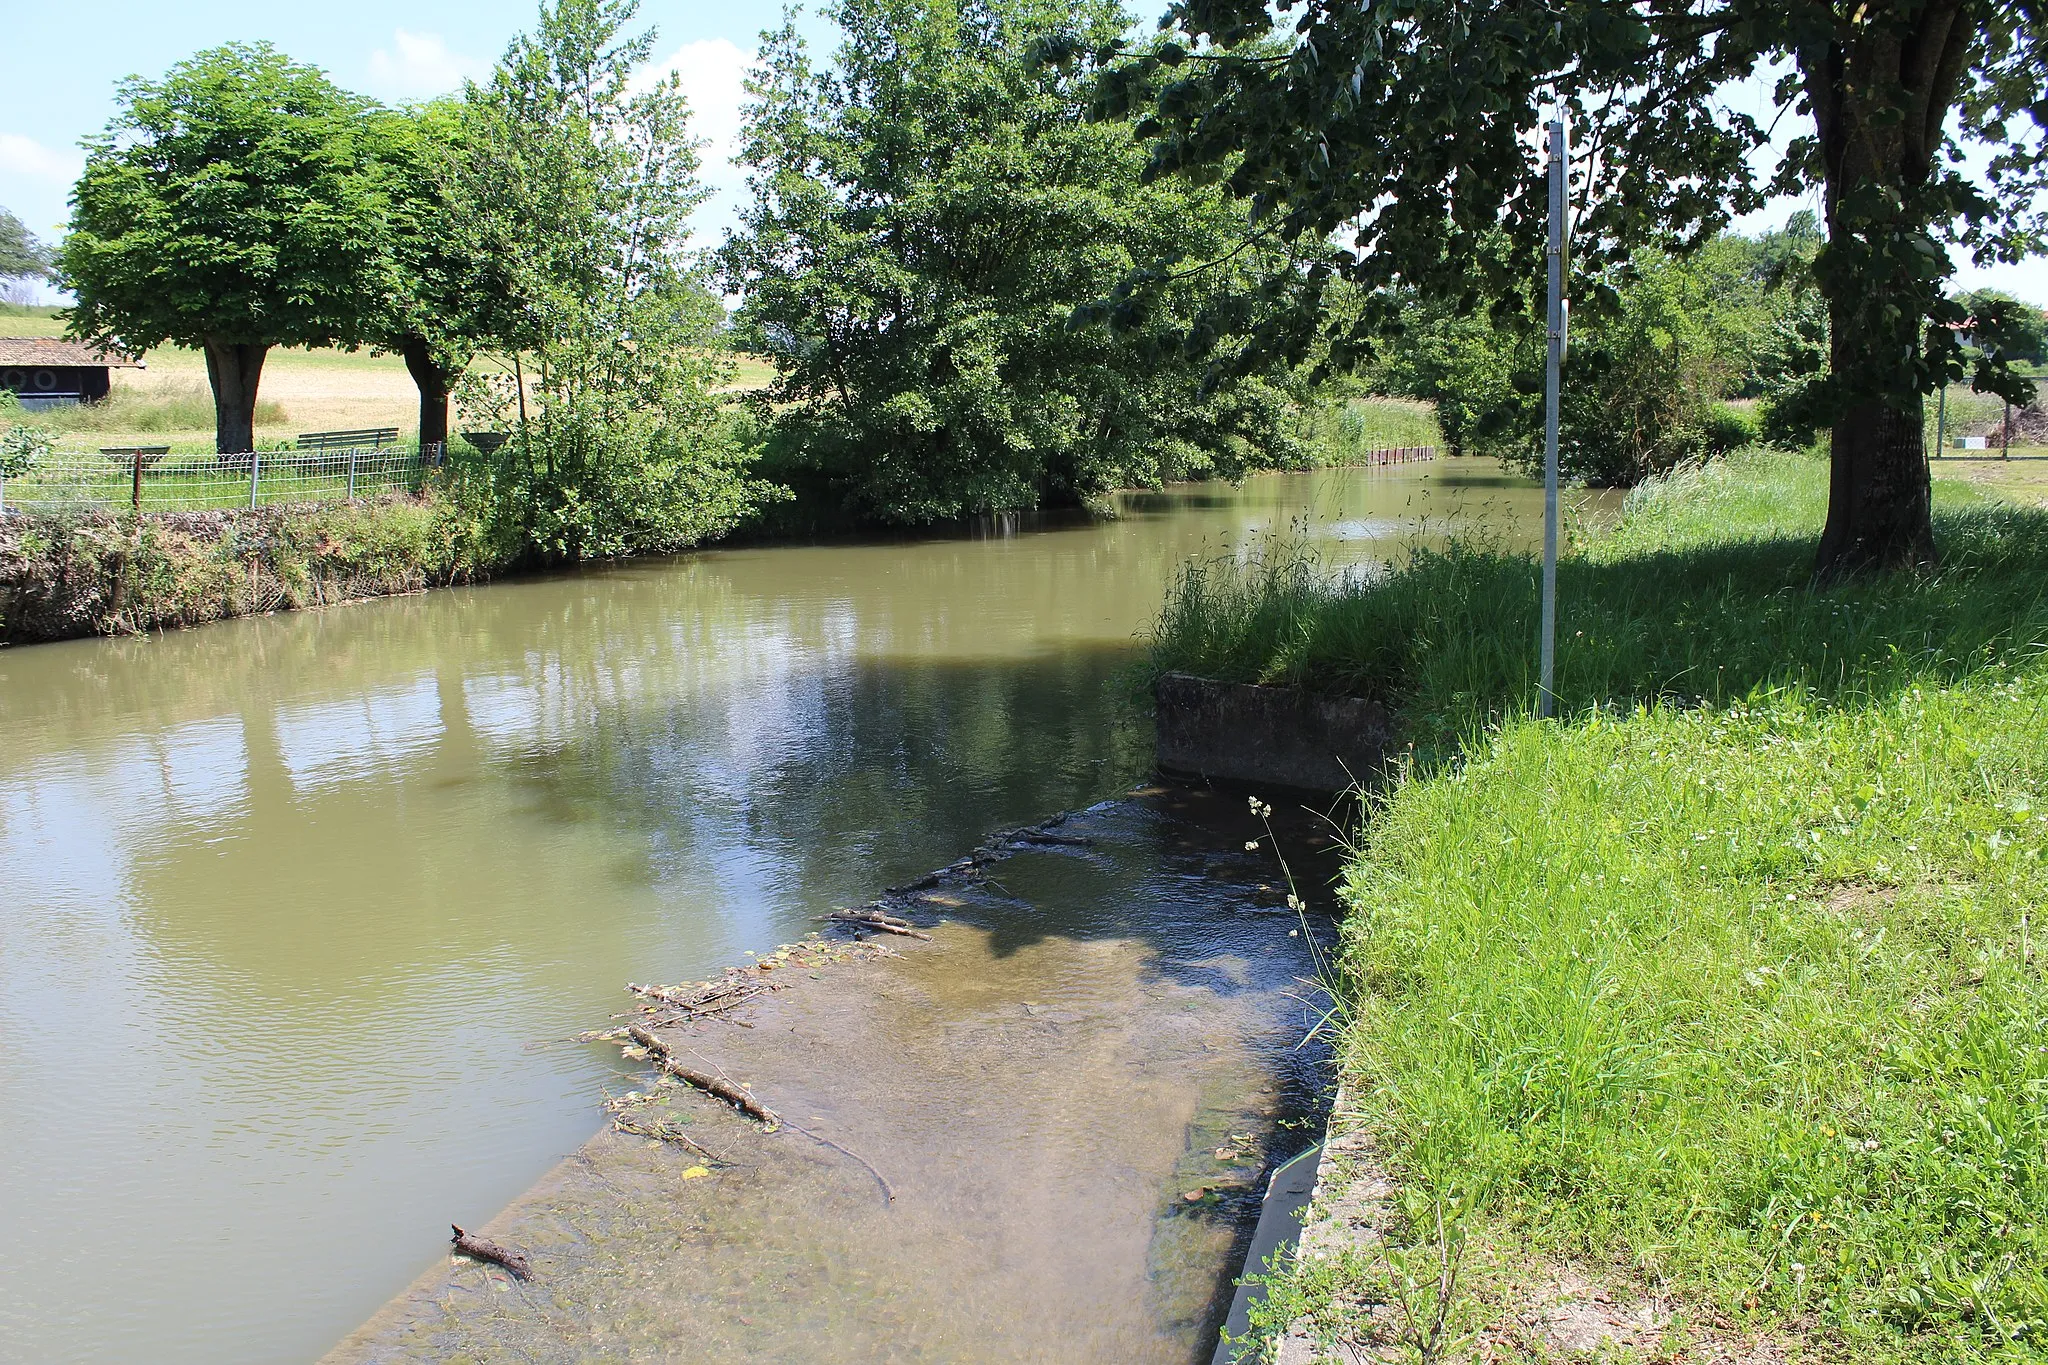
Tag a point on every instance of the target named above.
point(368, 438)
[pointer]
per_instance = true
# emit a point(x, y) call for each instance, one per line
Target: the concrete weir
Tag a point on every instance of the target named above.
point(1066, 1104)
point(1280, 738)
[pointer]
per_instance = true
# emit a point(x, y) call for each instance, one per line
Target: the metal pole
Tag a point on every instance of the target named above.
point(352, 474)
point(1546, 696)
point(1941, 421)
point(138, 484)
point(255, 464)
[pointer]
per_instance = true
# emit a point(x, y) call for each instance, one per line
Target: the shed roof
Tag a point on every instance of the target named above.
point(50, 351)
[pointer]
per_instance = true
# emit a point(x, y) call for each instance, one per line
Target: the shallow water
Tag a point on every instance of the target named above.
point(290, 908)
point(1072, 1092)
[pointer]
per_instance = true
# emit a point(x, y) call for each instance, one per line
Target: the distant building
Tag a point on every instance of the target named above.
point(47, 373)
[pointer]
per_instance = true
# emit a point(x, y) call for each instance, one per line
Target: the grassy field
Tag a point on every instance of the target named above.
point(302, 390)
point(1718, 1000)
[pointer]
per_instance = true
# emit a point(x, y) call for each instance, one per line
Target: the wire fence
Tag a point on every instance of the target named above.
point(159, 479)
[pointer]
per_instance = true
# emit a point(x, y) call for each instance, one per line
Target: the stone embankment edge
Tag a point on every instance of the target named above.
point(1284, 739)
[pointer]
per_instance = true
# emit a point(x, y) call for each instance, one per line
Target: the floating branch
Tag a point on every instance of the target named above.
point(736, 1096)
point(483, 1249)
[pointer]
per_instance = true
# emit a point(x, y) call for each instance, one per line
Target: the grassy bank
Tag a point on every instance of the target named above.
point(1701, 593)
point(97, 574)
point(1723, 993)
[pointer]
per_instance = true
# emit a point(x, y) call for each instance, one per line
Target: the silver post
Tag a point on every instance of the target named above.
point(352, 474)
point(255, 463)
point(1941, 419)
point(1546, 695)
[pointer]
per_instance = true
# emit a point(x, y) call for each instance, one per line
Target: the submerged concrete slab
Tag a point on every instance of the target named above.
point(1277, 737)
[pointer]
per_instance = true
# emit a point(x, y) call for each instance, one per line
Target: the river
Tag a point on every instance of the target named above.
point(294, 910)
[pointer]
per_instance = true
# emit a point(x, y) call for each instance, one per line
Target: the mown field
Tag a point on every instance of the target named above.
point(1713, 1013)
point(302, 390)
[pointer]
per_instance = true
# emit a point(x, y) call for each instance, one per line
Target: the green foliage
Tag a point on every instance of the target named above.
point(96, 573)
point(21, 255)
point(236, 199)
point(21, 447)
point(1663, 340)
point(928, 213)
point(577, 190)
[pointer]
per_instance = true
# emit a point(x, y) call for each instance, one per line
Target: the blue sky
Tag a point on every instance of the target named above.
point(59, 65)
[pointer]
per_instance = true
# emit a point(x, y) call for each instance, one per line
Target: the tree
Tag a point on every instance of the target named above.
point(928, 212)
point(1641, 380)
point(22, 257)
point(436, 313)
point(1407, 133)
point(575, 192)
point(231, 207)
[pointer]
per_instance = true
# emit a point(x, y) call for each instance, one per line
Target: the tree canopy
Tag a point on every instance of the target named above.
point(21, 255)
point(231, 206)
point(1407, 134)
point(928, 211)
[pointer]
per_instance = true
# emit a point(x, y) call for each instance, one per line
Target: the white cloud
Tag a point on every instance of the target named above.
point(25, 156)
point(421, 66)
point(714, 74)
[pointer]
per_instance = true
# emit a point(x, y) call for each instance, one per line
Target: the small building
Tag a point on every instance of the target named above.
point(47, 373)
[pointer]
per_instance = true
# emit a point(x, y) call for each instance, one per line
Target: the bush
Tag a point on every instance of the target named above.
point(1729, 429)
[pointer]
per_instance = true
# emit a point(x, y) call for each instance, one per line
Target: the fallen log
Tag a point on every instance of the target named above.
point(483, 1249)
point(878, 920)
point(736, 1096)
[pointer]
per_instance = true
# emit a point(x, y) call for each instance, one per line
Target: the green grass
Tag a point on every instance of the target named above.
point(1727, 986)
point(1702, 592)
point(1341, 429)
point(126, 411)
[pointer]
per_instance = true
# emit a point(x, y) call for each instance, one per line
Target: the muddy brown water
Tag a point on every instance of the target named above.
point(294, 913)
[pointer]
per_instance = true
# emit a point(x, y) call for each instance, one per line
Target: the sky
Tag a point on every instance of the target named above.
point(58, 76)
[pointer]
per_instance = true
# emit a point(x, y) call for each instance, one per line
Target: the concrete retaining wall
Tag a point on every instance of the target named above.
point(1279, 737)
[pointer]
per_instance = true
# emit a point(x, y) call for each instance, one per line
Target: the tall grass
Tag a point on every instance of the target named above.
point(179, 408)
point(1701, 592)
point(1339, 428)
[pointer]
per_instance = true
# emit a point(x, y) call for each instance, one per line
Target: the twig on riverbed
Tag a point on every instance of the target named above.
point(483, 1249)
point(742, 1099)
point(737, 1096)
point(870, 917)
point(665, 1132)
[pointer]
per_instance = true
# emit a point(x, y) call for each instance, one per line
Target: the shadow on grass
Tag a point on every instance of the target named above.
point(1450, 636)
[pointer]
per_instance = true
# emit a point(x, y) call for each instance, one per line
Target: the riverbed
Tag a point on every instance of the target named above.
point(297, 913)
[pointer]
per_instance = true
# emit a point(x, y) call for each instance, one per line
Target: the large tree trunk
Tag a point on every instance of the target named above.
point(1878, 492)
point(233, 368)
point(432, 382)
point(1880, 92)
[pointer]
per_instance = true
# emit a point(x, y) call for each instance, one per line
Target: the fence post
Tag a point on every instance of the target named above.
point(255, 464)
point(352, 473)
point(136, 499)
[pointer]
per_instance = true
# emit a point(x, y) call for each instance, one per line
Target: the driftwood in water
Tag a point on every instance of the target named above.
point(483, 1249)
point(868, 917)
point(712, 1000)
point(736, 1096)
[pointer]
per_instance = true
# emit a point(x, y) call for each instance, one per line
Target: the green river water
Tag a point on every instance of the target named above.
point(294, 911)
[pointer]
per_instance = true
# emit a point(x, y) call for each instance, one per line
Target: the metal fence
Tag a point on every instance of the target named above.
point(155, 479)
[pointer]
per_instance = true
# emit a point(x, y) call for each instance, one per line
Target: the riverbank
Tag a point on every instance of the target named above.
point(63, 576)
point(1704, 1022)
point(94, 573)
